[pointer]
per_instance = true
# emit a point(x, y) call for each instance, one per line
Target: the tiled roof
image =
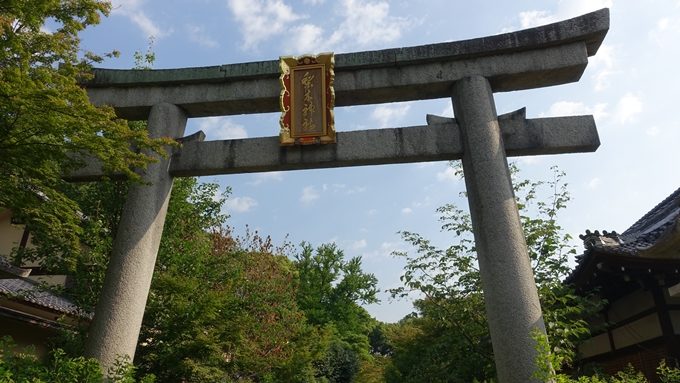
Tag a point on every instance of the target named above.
point(30, 291)
point(648, 231)
point(9, 269)
point(643, 234)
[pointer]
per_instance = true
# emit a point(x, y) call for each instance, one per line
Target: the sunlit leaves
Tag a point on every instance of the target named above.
point(46, 119)
point(449, 291)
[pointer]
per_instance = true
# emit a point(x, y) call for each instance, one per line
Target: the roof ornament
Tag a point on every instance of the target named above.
point(591, 240)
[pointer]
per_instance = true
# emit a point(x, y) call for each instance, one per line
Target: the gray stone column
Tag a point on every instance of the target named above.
point(510, 295)
point(119, 312)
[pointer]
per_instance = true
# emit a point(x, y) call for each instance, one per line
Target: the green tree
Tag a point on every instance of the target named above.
point(452, 343)
point(46, 120)
point(220, 308)
point(331, 290)
point(22, 366)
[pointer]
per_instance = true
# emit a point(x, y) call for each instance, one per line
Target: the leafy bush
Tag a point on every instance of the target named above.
point(549, 363)
point(23, 365)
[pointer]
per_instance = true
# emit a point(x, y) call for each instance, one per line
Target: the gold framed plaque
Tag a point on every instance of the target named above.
point(307, 100)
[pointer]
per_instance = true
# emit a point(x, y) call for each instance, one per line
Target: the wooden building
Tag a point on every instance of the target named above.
point(638, 273)
point(29, 311)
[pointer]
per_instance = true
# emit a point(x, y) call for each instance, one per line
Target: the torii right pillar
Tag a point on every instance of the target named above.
point(510, 295)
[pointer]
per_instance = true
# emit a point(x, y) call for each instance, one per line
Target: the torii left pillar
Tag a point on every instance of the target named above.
point(119, 312)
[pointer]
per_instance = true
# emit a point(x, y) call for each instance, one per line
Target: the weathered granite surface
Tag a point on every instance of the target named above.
point(513, 309)
point(438, 141)
point(589, 28)
point(543, 56)
point(120, 309)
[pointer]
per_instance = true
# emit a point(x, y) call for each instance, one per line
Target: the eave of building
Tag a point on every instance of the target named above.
point(650, 247)
point(24, 294)
point(35, 314)
point(9, 271)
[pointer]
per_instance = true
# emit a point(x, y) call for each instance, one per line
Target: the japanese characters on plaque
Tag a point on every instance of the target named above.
point(307, 100)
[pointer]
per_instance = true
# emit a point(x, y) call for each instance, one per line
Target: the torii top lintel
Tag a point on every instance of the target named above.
point(543, 56)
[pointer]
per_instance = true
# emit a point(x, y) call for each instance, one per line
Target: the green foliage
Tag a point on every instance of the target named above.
point(331, 288)
point(46, 120)
point(215, 311)
point(452, 338)
point(330, 291)
point(427, 350)
point(668, 374)
point(20, 366)
point(372, 370)
point(233, 315)
point(339, 365)
point(377, 338)
point(549, 363)
point(145, 60)
point(220, 308)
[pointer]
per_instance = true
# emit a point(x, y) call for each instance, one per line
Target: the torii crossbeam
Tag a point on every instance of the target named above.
point(468, 71)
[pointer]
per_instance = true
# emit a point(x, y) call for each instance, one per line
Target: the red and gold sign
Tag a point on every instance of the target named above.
point(307, 100)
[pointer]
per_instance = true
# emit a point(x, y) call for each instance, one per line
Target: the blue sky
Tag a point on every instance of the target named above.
point(630, 87)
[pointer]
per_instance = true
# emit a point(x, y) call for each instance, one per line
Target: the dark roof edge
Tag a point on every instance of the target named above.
point(76, 312)
point(590, 258)
point(590, 28)
point(11, 271)
point(34, 319)
point(655, 210)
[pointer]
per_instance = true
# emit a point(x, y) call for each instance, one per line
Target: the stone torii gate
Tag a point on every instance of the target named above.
point(468, 71)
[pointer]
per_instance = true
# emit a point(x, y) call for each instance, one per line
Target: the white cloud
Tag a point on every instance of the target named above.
point(594, 183)
point(572, 108)
point(222, 128)
point(666, 32)
point(307, 38)
point(628, 108)
point(367, 23)
point(603, 65)
point(530, 160)
point(342, 188)
point(261, 178)
point(261, 19)
point(424, 203)
point(565, 9)
point(530, 19)
point(447, 111)
point(653, 131)
point(355, 190)
point(220, 195)
point(573, 8)
point(309, 195)
point(422, 165)
point(147, 26)
point(132, 9)
point(416, 205)
point(240, 204)
point(388, 115)
point(448, 175)
point(198, 35)
point(358, 245)
point(313, 2)
point(385, 250)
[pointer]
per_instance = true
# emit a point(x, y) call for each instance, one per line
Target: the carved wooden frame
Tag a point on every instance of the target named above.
point(307, 100)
